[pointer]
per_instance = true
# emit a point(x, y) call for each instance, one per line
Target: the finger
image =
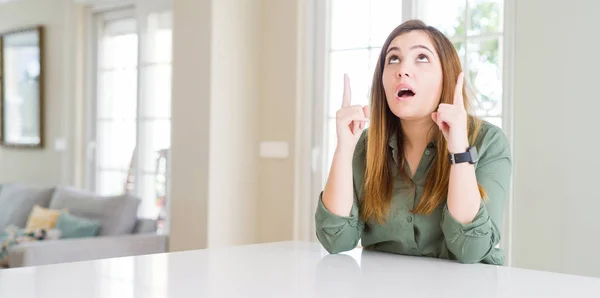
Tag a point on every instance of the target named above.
point(355, 128)
point(445, 111)
point(445, 130)
point(357, 108)
point(351, 114)
point(367, 114)
point(436, 119)
point(443, 107)
point(458, 92)
point(434, 116)
point(444, 116)
point(347, 94)
point(442, 113)
point(353, 117)
point(439, 119)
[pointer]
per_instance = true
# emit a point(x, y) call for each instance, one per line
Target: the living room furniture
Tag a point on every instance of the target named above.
point(121, 232)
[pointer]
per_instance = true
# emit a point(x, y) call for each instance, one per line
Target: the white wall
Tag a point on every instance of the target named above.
point(43, 166)
point(234, 122)
point(556, 104)
point(278, 115)
point(241, 67)
point(215, 114)
point(190, 118)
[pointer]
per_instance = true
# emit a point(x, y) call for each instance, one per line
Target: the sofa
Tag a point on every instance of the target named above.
point(119, 231)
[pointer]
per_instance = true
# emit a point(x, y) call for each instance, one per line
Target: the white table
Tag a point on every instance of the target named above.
point(286, 269)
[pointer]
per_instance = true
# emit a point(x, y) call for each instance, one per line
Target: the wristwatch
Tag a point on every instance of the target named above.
point(469, 156)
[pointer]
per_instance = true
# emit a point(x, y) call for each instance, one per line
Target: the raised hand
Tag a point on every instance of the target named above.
point(452, 120)
point(350, 120)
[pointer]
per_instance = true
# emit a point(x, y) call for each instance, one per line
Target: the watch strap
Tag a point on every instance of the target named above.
point(460, 157)
point(469, 156)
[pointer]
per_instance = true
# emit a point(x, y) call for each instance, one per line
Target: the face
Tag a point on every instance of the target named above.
point(412, 76)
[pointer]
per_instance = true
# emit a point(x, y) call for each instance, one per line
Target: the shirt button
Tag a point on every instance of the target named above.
point(426, 152)
point(409, 219)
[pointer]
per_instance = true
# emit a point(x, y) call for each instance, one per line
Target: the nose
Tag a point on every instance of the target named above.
point(403, 71)
point(400, 75)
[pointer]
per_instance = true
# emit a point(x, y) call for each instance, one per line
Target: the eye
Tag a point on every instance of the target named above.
point(393, 59)
point(422, 58)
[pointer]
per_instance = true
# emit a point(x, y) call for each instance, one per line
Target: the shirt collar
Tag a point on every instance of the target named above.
point(393, 143)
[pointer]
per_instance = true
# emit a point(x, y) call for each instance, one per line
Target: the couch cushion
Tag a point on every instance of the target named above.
point(72, 226)
point(17, 201)
point(42, 218)
point(117, 214)
point(145, 226)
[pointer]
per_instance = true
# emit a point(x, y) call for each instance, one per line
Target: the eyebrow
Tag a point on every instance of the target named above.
point(411, 48)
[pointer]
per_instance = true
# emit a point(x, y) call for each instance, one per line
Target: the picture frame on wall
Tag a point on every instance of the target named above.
point(22, 88)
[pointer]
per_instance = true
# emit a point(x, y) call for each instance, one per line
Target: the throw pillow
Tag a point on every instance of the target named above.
point(72, 226)
point(42, 218)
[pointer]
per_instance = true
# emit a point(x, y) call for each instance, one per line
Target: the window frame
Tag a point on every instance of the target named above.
point(97, 16)
point(98, 11)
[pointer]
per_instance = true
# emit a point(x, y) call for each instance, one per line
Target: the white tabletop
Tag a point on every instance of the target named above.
point(286, 269)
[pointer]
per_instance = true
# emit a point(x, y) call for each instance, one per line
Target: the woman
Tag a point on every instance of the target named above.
point(426, 178)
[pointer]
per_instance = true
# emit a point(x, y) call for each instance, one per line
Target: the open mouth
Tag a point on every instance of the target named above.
point(405, 93)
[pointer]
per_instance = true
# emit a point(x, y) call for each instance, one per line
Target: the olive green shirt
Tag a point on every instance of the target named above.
point(437, 235)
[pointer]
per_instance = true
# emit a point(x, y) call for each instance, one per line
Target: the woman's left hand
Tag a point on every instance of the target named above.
point(452, 120)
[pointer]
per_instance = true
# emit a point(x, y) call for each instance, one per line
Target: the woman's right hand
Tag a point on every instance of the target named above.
point(350, 121)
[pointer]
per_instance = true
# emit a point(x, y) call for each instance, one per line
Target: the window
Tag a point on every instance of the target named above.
point(131, 128)
point(476, 29)
point(357, 31)
point(116, 101)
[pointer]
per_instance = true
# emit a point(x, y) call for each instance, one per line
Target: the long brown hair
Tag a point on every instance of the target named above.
point(379, 179)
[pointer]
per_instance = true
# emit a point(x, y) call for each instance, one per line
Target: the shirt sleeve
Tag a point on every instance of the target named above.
point(474, 242)
point(342, 233)
point(337, 233)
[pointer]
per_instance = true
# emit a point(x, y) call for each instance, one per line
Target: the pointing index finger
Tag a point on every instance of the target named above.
point(347, 93)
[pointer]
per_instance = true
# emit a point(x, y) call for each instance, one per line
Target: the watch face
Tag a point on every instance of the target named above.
point(474, 154)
